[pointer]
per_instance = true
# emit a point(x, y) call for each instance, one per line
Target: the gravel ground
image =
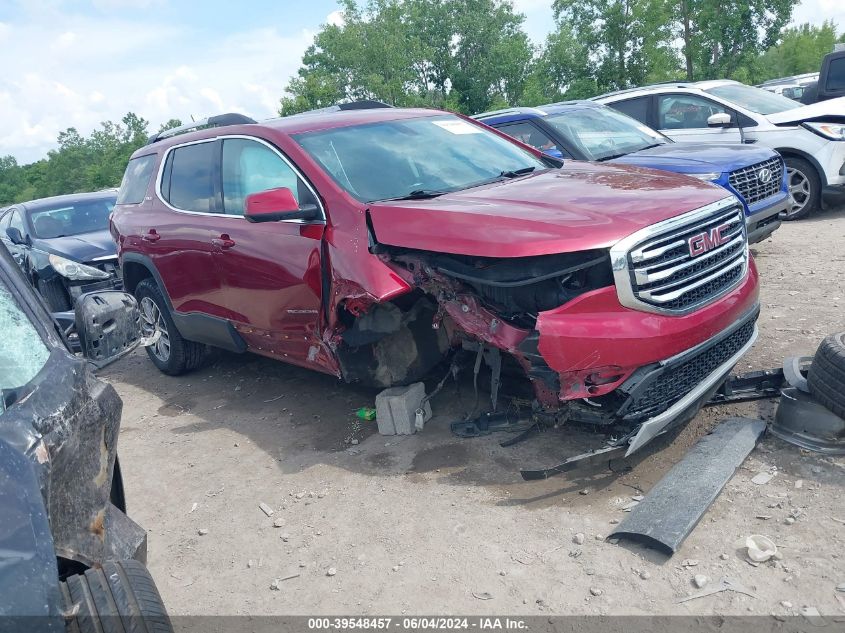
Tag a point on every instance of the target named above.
point(433, 524)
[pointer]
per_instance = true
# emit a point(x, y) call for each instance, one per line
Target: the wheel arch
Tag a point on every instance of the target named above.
point(788, 152)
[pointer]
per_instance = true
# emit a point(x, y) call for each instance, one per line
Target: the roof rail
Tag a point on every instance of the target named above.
point(513, 110)
point(676, 84)
point(220, 120)
point(364, 104)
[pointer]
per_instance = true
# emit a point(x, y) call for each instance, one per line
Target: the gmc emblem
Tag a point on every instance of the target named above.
point(707, 241)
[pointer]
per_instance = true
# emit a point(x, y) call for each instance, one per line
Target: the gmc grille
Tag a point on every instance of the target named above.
point(683, 263)
point(749, 181)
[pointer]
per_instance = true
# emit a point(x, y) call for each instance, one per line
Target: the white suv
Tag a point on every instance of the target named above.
point(810, 138)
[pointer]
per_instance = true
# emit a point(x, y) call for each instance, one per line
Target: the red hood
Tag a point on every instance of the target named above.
point(579, 207)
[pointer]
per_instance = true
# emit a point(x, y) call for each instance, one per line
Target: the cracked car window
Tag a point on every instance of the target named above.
point(22, 352)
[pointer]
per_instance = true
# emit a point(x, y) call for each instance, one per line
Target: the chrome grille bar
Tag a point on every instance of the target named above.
point(681, 264)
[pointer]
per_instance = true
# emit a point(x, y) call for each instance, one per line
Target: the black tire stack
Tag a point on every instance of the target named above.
point(826, 378)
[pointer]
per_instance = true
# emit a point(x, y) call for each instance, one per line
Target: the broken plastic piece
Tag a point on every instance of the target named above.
point(802, 421)
point(674, 506)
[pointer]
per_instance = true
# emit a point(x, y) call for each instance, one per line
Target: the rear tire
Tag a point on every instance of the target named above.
point(172, 354)
point(805, 188)
point(826, 378)
point(55, 295)
point(121, 598)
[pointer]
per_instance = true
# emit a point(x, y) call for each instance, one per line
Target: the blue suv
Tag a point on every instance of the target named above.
point(585, 130)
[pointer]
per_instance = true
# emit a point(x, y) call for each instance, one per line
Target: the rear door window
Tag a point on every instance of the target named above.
point(189, 178)
point(136, 179)
point(250, 167)
point(635, 108)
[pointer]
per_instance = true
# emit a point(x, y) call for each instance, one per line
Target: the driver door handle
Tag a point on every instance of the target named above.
point(151, 236)
point(224, 241)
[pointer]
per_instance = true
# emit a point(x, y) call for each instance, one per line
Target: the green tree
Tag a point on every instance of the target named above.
point(463, 54)
point(78, 163)
point(724, 38)
point(562, 71)
point(628, 41)
point(800, 50)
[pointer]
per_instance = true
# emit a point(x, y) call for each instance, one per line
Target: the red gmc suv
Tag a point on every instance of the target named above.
point(368, 243)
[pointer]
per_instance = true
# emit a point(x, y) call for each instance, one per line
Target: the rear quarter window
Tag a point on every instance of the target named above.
point(136, 179)
point(187, 183)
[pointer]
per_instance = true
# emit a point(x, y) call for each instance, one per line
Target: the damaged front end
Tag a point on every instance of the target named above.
point(630, 340)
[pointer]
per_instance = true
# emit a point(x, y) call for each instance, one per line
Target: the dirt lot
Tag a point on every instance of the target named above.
point(433, 524)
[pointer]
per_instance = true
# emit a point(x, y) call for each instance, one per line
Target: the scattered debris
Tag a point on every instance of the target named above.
point(202, 531)
point(276, 585)
point(630, 506)
point(725, 584)
point(764, 517)
point(396, 568)
point(700, 580)
point(760, 548)
point(840, 587)
point(690, 562)
point(193, 507)
point(645, 575)
point(799, 483)
point(578, 539)
point(274, 399)
point(279, 522)
point(585, 491)
point(789, 520)
point(724, 557)
point(366, 413)
point(762, 478)
point(596, 591)
point(265, 509)
point(482, 595)
point(285, 537)
point(786, 604)
point(331, 571)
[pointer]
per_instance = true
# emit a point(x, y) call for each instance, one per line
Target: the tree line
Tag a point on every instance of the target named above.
point(474, 55)
point(79, 163)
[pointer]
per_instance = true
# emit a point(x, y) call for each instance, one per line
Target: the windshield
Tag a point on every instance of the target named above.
point(430, 155)
point(600, 133)
point(754, 99)
point(72, 218)
point(22, 352)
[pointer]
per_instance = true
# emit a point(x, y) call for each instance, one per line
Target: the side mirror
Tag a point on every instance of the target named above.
point(14, 235)
point(108, 324)
point(277, 204)
point(720, 119)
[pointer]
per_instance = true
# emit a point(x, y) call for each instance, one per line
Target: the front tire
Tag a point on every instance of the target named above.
point(805, 188)
point(171, 353)
point(120, 596)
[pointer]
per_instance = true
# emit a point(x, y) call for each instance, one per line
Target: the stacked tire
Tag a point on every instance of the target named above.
point(119, 597)
point(826, 378)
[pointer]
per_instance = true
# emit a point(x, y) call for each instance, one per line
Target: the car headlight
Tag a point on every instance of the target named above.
point(714, 175)
point(74, 270)
point(833, 131)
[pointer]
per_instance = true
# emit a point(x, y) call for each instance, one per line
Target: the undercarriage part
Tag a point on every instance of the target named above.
point(592, 458)
point(491, 422)
point(674, 506)
point(759, 385)
point(392, 343)
point(804, 422)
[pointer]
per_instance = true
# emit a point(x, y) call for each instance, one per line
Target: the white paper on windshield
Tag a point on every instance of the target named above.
point(456, 126)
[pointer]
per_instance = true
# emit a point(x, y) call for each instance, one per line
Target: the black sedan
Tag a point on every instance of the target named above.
point(63, 245)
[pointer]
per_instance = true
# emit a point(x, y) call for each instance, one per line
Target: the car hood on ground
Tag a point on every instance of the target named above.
point(697, 158)
point(830, 109)
point(578, 207)
point(82, 248)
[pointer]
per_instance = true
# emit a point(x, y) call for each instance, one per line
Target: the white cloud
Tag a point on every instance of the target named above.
point(97, 69)
point(335, 18)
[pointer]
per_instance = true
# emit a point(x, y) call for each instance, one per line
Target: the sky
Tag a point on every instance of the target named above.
point(76, 63)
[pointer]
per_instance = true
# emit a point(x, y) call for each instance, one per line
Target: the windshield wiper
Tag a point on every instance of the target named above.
point(612, 156)
point(516, 173)
point(416, 194)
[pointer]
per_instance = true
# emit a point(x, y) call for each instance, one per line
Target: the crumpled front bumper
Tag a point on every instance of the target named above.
point(593, 338)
